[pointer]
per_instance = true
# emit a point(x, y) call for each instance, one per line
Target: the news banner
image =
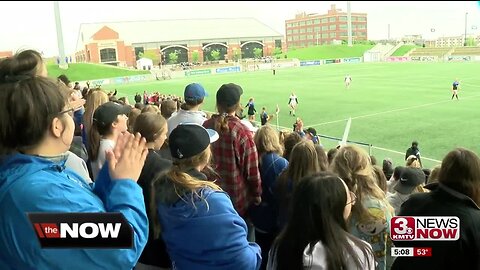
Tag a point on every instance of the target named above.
point(405, 228)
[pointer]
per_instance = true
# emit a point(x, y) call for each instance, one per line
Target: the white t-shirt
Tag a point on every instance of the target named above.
point(293, 100)
point(396, 200)
point(98, 164)
point(317, 259)
point(183, 116)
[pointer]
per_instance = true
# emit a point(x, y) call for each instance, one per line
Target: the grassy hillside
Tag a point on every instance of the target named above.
point(84, 71)
point(403, 50)
point(328, 52)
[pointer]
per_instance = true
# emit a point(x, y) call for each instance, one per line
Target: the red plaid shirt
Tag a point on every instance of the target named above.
point(236, 161)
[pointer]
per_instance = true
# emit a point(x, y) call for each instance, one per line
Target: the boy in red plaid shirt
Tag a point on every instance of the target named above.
point(235, 154)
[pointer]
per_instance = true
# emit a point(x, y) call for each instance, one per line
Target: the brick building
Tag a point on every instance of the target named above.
point(192, 40)
point(308, 30)
point(105, 46)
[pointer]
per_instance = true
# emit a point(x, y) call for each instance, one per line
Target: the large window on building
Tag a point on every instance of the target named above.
point(343, 18)
point(108, 55)
point(309, 30)
point(317, 21)
point(302, 30)
point(278, 43)
point(343, 26)
point(309, 22)
point(295, 31)
point(331, 19)
point(324, 20)
point(302, 23)
point(333, 27)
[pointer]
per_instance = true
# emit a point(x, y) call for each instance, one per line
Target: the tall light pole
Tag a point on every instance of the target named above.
point(465, 43)
point(58, 23)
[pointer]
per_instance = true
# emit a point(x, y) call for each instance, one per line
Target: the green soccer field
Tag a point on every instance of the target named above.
point(390, 104)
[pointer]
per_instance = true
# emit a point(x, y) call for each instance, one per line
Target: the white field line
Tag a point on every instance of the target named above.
point(389, 111)
point(375, 147)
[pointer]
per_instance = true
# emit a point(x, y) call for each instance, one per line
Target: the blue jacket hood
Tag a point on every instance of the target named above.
point(208, 234)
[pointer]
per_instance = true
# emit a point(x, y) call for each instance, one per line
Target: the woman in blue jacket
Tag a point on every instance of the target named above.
point(36, 129)
point(197, 220)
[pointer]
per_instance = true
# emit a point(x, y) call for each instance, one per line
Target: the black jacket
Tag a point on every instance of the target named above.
point(461, 254)
point(155, 252)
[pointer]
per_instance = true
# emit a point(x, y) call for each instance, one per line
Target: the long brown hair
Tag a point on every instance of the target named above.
point(303, 162)
point(149, 125)
point(353, 165)
point(267, 141)
point(460, 171)
point(318, 205)
point(181, 181)
point(221, 119)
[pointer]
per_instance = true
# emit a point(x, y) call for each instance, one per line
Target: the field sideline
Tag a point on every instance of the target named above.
point(391, 104)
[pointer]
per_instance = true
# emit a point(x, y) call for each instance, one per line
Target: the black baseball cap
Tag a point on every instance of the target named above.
point(229, 94)
point(410, 178)
point(190, 139)
point(107, 113)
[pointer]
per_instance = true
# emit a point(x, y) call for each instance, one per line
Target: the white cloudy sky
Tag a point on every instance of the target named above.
point(32, 24)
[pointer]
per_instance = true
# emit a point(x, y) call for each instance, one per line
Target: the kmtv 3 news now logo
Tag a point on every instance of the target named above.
point(404, 228)
point(82, 230)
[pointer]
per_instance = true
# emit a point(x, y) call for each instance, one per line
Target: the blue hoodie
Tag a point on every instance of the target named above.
point(202, 237)
point(35, 184)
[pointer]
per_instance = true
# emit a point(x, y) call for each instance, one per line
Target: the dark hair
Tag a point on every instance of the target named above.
point(139, 106)
point(460, 171)
point(317, 212)
point(190, 103)
point(397, 172)
point(28, 107)
point(373, 160)
point(381, 178)
point(331, 155)
point(290, 140)
point(322, 157)
point(63, 78)
point(24, 63)
point(149, 125)
point(167, 108)
point(123, 100)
